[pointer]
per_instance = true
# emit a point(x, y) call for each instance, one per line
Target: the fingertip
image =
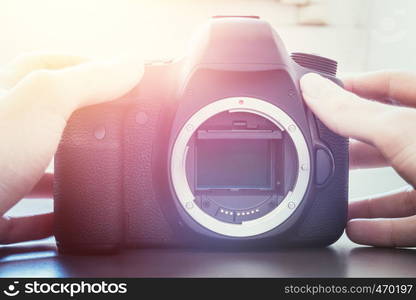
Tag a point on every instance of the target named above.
point(316, 88)
point(357, 232)
point(130, 66)
point(371, 232)
point(28, 228)
point(347, 81)
point(309, 82)
point(130, 70)
point(309, 76)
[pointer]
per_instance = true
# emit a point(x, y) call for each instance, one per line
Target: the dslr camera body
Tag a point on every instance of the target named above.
point(216, 149)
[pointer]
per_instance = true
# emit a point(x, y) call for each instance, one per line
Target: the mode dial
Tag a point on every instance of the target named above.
point(316, 62)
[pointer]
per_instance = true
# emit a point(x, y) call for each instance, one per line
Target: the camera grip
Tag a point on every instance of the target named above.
point(145, 174)
point(326, 219)
point(88, 181)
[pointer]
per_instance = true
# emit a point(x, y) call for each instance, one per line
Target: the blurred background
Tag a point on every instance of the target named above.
point(362, 35)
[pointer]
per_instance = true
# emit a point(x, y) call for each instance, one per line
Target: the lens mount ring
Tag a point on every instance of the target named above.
point(252, 227)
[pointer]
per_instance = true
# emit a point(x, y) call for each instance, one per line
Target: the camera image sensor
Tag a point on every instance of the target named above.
point(235, 164)
point(240, 166)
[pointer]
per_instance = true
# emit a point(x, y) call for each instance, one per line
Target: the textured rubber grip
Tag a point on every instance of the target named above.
point(326, 219)
point(87, 185)
point(146, 224)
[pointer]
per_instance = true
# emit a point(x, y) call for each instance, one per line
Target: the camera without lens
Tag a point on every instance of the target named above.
point(216, 149)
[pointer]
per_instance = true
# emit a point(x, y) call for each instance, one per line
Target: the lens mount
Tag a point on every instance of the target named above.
point(184, 192)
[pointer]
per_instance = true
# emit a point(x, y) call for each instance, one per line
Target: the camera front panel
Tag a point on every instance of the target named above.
point(240, 166)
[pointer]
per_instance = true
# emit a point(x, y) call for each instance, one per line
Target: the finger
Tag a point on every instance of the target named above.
point(383, 232)
point(340, 110)
point(384, 86)
point(33, 116)
point(92, 87)
point(68, 89)
point(42, 189)
point(395, 205)
point(389, 128)
point(363, 155)
point(20, 229)
point(24, 64)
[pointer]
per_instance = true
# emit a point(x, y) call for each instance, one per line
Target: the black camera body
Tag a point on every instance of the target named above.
point(217, 149)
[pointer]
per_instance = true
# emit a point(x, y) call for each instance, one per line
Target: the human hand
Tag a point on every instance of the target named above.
point(38, 93)
point(385, 136)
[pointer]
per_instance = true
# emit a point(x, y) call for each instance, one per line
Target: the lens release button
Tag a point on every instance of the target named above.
point(324, 166)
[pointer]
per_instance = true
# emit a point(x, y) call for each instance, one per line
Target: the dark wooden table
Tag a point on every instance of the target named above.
point(343, 259)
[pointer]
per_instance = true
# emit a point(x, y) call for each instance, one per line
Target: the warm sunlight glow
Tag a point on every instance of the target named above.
point(152, 28)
